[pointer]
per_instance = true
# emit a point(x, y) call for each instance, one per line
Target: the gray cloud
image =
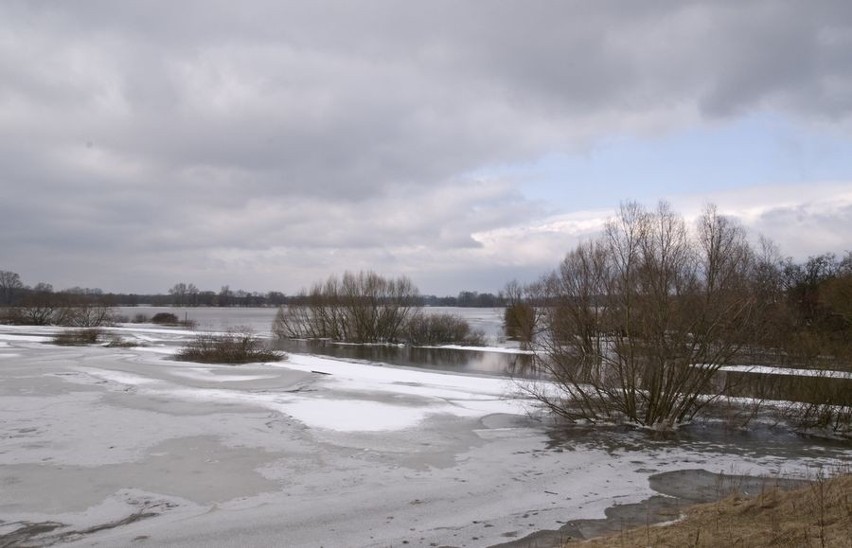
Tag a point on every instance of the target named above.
point(247, 143)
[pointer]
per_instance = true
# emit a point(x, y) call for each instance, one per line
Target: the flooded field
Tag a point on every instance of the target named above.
point(499, 357)
point(124, 445)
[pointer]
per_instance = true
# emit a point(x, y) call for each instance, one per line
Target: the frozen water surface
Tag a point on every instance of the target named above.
point(121, 446)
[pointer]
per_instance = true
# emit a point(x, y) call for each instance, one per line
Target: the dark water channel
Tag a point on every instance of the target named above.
point(712, 437)
point(482, 362)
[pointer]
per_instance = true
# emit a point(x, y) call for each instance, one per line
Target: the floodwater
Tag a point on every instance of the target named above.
point(500, 360)
point(482, 362)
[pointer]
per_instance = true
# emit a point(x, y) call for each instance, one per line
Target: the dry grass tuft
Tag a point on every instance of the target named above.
point(819, 515)
point(78, 337)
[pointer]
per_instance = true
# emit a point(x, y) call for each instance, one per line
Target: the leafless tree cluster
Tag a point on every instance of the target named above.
point(358, 308)
point(184, 294)
point(366, 308)
point(42, 306)
point(639, 321)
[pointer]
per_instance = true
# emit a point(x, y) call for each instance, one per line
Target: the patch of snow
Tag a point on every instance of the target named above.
point(354, 415)
point(164, 350)
point(495, 349)
point(202, 374)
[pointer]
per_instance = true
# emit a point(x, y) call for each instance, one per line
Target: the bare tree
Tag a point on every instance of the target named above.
point(10, 285)
point(640, 320)
point(184, 294)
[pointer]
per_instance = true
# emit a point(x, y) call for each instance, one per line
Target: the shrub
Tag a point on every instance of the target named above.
point(142, 318)
point(164, 318)
point(78, 337)
point(233, 347)
point(434, 329)
point(519, 322)
point(357, 308)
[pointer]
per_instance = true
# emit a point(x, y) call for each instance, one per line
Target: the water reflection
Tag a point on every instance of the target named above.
point(709, 437)
point(446, 359)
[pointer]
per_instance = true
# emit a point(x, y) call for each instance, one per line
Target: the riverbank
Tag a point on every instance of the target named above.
point(818, 514)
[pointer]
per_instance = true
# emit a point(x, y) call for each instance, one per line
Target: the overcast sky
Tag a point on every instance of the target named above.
point(268, 144)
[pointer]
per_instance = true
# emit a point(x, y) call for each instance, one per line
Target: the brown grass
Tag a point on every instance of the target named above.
point(819, 515)
point(233, 347)
point(78, 337)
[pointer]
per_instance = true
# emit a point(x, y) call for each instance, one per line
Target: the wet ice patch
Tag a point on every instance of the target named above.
point(23, 338)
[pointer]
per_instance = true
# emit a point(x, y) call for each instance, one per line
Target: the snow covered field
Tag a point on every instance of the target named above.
point(125, 446)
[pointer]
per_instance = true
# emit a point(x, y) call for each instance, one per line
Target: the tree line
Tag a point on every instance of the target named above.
point(14, 293)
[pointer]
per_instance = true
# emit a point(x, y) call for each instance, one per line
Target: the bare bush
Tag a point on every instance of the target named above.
point(358, 308)
point(90, 315)
point(519, 322)
point(820, 401)
point(78, 337)
point(522, 317)
point(640, 321)
point(237, 346)
point(165, 318)
point(437, 329)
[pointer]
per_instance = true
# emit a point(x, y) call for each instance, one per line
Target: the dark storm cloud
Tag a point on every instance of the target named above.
point(133, 129)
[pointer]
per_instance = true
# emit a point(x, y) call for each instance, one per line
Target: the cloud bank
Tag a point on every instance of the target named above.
point(268, 144)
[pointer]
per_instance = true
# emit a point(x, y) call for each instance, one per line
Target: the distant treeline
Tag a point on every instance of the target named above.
point(13, 292)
